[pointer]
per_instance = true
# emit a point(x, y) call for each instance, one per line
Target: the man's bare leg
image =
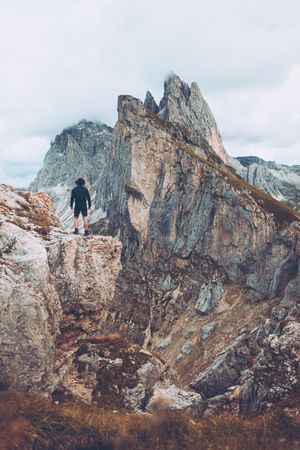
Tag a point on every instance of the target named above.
point(76, 225)
point(85, 223)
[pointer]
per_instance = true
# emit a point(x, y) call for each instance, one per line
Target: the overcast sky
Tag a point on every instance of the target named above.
point(64, 60)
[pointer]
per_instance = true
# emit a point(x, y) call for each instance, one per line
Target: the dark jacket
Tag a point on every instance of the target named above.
point(81, 196)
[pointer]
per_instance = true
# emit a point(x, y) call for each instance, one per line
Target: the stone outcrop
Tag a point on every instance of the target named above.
point(30, 307)
point(116, 374)
point(174, 399)
point(49, 291)
point(226, 369)
point(209, 296)
point(275, 374)
point(55, 290)
point(48, 288)
point(196, 240)
point(184, 106)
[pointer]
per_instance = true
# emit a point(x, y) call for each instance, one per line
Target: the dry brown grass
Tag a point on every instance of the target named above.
point(105, 338)
point(34, 423)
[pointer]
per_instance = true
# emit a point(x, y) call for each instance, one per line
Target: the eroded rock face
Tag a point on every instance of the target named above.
point(85, 273)
point(188, 212)
point(275, 373)
point(30, 307)
point(278, 264)
point(55, 290)
point(209, 296)
point(113, 373)
point(226, 369)
point(48, 288)
point(184, 106)
point(193, 235)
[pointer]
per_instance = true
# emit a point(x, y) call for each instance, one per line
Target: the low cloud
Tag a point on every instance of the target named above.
point(263, 121)
point(21, 157)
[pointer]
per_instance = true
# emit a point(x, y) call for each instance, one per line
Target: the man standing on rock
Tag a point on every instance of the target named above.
point(81, 196)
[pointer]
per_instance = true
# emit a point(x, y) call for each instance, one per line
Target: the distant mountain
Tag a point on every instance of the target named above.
point(279, 180)
point(81, 150)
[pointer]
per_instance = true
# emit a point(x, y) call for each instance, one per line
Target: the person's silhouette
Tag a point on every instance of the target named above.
point(81, 196)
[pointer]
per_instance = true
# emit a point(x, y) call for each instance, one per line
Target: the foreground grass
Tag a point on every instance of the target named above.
point(34, 423)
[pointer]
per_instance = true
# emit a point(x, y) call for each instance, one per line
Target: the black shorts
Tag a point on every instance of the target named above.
point(80, 209)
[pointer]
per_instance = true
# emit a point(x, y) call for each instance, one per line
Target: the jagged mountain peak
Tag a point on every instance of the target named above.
point(87, 126)
point(150, 103)
point(184, 106)
point(174, 86)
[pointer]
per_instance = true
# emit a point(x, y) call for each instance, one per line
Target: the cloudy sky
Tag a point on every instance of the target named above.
point(64, 60)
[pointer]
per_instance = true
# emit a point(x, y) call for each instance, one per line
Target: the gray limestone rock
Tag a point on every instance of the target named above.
point(209, 296)
point(185, 106)
point(277, 265)
point(179, 357)
point(167, 284)
point(189, 334)
point(150, 103)
point(174, 399)
point(208, 329)
point(226, 368)
point(165, 343)
point(275, 373)
point(186, 348)
point(291, 295)
point(47, 287)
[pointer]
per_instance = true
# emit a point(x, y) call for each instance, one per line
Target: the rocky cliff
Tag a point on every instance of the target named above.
point(211, 272)
point(54, 288)
point(279, 180)
point(184, 106)
point(55, 291)
point(207, 258)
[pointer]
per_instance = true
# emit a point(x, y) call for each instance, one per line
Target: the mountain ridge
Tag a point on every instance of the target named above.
point(210, 263)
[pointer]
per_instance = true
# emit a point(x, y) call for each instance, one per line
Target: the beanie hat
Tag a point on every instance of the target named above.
point(80, 182)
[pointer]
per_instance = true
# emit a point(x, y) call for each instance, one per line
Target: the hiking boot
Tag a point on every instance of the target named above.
point(76, 231)
point(86, 233)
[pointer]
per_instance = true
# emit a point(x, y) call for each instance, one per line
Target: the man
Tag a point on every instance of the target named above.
point(81, 196)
